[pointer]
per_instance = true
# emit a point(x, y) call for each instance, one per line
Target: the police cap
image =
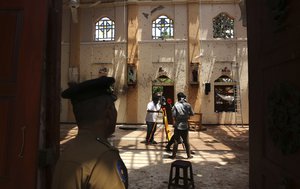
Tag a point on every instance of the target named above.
point(78, 92)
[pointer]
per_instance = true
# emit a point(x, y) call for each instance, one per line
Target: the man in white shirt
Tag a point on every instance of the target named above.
point(153, 109)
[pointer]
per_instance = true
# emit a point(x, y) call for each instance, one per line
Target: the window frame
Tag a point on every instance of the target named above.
point(223, 34)
point(106, 37)
point(225, 106)
point(155, 26)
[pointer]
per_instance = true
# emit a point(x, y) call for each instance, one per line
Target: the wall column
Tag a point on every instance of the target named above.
point(193, 20)
point(132, 58)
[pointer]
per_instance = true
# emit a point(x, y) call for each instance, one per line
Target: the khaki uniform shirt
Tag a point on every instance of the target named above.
point(90, 163)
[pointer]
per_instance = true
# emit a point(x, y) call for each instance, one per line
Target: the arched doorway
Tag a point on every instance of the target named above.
point(164, 86)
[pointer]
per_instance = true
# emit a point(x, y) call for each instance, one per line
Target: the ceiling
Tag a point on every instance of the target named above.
point(88, 3)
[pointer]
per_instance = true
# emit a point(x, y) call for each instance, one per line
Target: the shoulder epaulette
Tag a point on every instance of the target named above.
point(106, 143)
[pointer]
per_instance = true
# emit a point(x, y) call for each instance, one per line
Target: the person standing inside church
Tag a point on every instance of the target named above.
point(153, 109)
point(90, 161)
point(181, 112)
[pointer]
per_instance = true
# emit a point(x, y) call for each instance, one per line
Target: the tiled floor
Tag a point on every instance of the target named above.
point(220, 160)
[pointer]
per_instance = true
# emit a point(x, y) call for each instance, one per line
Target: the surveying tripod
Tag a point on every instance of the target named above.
point(166, 124)
point(165, 121)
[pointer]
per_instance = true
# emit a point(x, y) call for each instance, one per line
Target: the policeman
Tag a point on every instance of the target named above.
point(90, 162)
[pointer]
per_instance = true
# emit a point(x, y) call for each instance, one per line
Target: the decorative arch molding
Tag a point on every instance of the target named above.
point(163, 80)
point(225, 79)
point(224, 14)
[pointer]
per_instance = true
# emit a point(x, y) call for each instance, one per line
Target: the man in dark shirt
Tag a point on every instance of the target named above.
point(181, 112)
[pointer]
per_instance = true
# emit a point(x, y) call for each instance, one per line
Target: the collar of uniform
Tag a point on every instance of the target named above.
point(89, 135)
point(85, 133)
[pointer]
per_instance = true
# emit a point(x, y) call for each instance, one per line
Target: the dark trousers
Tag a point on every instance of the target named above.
point(151, 128)
point(184, 134)
point(171, 142)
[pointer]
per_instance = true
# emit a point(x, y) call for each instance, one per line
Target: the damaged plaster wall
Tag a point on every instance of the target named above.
point(97, 55)
point(107, 55)
point(216, 54)
point(169, 54)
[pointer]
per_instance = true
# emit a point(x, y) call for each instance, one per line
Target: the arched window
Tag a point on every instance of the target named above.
point(225, 94)
point(162, 28)
point(105, 30)
point(223, 26)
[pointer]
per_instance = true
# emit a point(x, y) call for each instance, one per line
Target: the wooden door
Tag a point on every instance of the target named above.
point(22, 35)
point(274, 87)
